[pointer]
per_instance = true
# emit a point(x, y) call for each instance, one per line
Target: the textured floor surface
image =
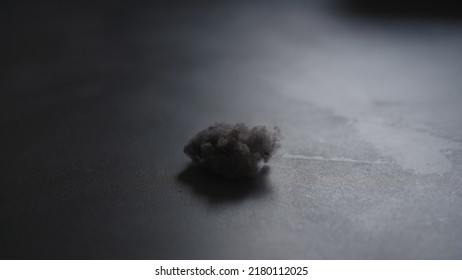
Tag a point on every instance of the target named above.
point(98, 101)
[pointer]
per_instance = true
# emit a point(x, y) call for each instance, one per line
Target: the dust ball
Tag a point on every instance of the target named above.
point(233, 151)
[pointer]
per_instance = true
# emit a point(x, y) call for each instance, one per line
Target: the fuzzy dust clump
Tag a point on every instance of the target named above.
point(233, 151)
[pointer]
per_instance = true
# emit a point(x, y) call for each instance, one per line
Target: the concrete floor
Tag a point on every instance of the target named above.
point(99, 100)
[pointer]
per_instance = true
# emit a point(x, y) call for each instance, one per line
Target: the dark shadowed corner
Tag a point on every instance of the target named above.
point(424, 9)
point(221, 189)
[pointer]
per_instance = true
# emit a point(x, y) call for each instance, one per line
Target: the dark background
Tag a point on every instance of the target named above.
point(98, 99)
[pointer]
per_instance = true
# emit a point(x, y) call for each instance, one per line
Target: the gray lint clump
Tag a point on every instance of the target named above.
point(233, 151)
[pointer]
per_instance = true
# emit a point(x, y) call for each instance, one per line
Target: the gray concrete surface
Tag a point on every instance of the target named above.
point(99, 102)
